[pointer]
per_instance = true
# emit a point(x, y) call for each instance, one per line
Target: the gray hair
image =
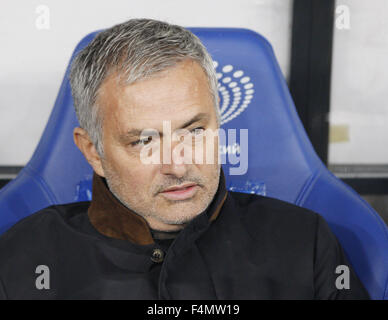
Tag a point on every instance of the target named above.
point(135, 50)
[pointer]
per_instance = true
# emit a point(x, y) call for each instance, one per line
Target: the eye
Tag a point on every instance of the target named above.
point(142, 142)
point(198, 130)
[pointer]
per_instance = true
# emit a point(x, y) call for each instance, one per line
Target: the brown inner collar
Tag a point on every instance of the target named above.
point(111, 218)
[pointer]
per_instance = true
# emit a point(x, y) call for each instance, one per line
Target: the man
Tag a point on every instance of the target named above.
point(166, 228)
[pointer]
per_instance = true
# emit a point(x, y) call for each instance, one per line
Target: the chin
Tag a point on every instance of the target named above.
point(179, 218)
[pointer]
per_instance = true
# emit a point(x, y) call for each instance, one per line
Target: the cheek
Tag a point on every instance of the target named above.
point(135, 175)
point(207, 150)
point(128, 167)
point(120, 157)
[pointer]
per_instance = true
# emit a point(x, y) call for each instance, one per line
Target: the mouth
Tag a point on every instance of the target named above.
point(183, 192)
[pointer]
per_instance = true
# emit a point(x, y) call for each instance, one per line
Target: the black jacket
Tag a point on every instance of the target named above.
point(242, 247)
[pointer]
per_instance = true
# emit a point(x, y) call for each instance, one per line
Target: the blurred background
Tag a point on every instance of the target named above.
point(333, 54)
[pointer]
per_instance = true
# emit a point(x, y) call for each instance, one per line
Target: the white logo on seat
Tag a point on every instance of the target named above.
point(236, 90)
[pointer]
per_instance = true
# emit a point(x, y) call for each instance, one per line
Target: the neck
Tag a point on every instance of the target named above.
point(111, 218)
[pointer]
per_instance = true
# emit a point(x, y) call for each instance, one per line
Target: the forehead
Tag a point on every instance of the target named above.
point(175, 94)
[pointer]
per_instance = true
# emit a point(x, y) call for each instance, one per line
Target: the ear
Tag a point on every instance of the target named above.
point(86, 146)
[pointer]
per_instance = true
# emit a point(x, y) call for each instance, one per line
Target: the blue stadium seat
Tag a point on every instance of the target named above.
point(282, 161)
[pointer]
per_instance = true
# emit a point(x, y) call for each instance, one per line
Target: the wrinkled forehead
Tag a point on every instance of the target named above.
point(176, 94)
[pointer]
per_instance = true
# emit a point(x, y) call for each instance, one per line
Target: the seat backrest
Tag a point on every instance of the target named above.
point(282, 161)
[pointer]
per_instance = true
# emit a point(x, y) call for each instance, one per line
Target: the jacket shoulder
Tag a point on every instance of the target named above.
point(262, 214)
point(251, 204)
point(42, 223)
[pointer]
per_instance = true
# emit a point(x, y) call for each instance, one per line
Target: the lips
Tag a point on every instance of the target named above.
point(182, 187)
point(182, 192)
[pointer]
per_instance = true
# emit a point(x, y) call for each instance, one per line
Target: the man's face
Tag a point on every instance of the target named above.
point(167, 195)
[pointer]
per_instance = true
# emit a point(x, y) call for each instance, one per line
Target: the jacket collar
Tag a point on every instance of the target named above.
point(111, 218)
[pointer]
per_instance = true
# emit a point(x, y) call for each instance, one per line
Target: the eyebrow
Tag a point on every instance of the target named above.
point(196, 118)
point(151, 132)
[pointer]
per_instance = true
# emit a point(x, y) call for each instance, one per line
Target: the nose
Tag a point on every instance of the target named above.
point(175, 164)
point(177, 170)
